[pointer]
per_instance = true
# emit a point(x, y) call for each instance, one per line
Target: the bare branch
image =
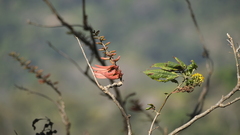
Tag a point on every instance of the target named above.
point(80, 35)
point(126, 116)
point(34, 69)
point(219, 104)
point(72, 61)
point(209, 66)
point(158, 113)
point(236, 55)
point(36, 93)
point(46, 26)
point(90, 67)
point(161, 129)
point(229, 103)
point(66, 56)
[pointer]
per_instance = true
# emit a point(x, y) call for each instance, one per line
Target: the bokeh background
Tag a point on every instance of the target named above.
point(143, 32)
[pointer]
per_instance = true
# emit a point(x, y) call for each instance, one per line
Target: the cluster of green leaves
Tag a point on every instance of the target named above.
point(170, 71)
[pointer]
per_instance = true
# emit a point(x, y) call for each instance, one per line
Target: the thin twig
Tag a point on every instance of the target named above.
point(71, 60)
point(156, 122)
point(90, 67)
point(46, 26)
point(87, 67)
point(36, 93)
point(235, 51)
point(15, 132)
point(219, 104)
point(229, 103)
point(126, 116)
point(91, 44)
point(209, 66)
point(128, 96)
point(158, 113)
point(66, 56)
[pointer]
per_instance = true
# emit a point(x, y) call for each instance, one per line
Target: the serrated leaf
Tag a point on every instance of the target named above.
point(161, 75)
point(191, 67)
point(182, 64)
point(169, 66)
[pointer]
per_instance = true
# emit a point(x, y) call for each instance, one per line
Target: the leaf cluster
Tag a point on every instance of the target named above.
point(170, 71)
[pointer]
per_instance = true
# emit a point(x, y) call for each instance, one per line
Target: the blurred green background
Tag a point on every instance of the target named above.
point(143, 32)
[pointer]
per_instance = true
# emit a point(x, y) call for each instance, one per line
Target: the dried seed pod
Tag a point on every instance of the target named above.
point(46, 76)
point(103, 49)
point(99, 43)
point(102, 38)
point(38, 75)
point(39, 71)
point(41, 81)
point(35, 67)
point(113, 54)
point(55, 83)
point(115, 60)
point(113, 51)
point(107, 43)
point(105, 58)
point(27, 62)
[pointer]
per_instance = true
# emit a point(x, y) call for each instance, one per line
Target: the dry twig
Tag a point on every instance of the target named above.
point(209, 66)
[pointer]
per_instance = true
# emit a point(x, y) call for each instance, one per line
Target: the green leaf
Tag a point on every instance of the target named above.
point(191, 68)
point(182, 64)
point(151, 107)
point(169, 66)
point(161, 75)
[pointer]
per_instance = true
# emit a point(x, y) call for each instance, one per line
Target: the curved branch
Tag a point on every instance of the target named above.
point(209, 65)
point(219, 104)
